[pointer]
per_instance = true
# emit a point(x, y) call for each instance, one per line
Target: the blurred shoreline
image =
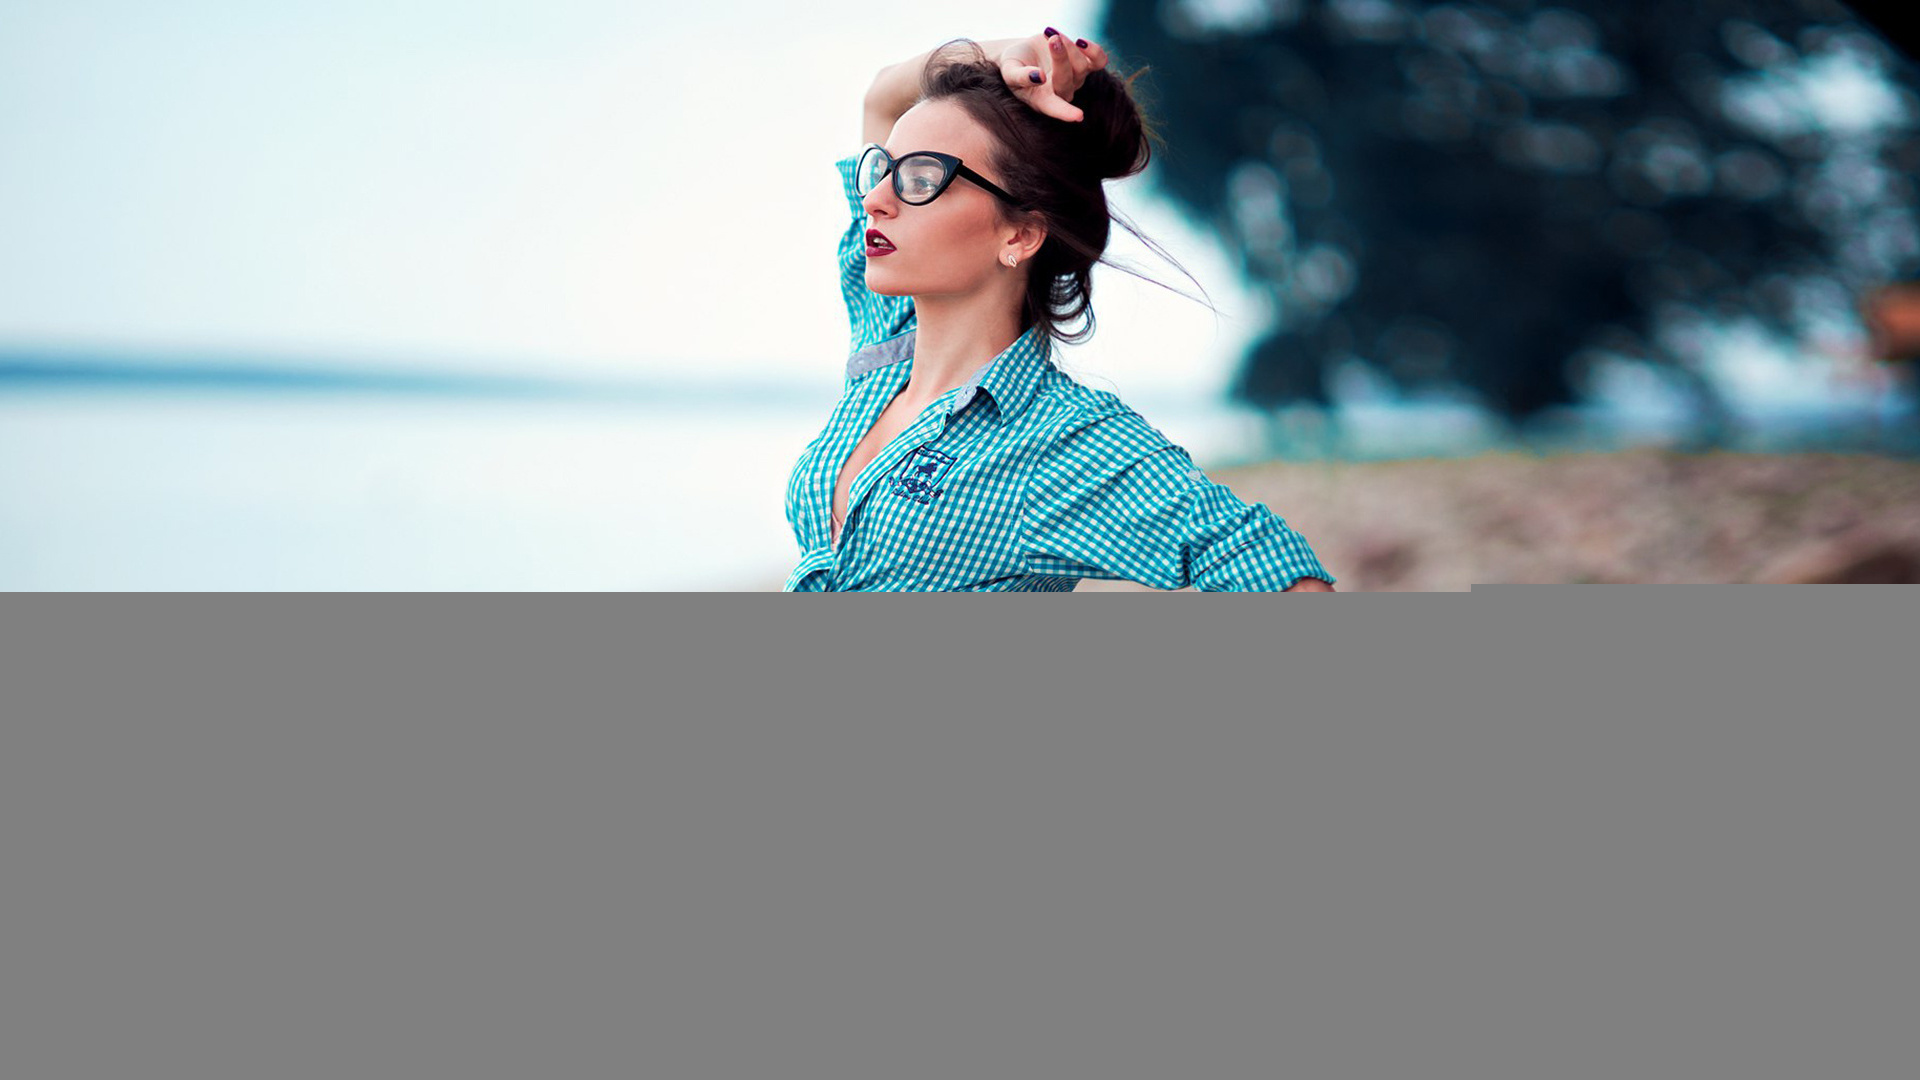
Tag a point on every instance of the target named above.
point(260, 488)
point(1644, 514)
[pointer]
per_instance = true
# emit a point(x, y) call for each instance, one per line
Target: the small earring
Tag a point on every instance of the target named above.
point(1012, 259)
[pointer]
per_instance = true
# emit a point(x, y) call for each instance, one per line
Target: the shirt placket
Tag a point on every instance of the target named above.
point(924, 431)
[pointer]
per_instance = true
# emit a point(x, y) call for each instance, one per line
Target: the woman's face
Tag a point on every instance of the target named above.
point(954, 245)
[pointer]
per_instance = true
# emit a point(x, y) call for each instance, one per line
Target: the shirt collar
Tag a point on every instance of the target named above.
point(1011, 378)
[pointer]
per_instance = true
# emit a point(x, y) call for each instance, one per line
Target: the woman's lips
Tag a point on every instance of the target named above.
point(878, 244)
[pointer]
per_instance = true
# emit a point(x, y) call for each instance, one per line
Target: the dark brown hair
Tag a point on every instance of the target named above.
point(1056, 168)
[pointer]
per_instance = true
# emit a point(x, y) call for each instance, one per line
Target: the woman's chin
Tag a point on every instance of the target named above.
point(880, 283)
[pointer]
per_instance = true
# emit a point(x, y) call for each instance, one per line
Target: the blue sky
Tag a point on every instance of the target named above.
point(553, 186)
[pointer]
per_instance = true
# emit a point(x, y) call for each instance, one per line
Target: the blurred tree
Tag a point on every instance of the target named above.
point(1489, 195)
point(1894, 19)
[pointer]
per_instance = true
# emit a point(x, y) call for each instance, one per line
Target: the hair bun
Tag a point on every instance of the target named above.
point(1112, 136)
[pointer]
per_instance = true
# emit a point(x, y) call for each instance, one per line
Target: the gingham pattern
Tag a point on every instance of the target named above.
point(1018, 480)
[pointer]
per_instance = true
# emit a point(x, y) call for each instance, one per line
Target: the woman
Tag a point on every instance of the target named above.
point(959, 457)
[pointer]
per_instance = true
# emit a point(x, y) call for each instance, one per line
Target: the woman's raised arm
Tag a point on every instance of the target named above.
point(1043, 70)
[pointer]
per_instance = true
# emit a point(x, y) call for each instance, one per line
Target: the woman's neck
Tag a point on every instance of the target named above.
point(955, 338)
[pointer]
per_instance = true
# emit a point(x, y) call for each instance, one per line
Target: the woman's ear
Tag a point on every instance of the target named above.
point(1024, 241)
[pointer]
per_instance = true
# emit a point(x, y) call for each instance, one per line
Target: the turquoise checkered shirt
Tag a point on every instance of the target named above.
point(1020, 479)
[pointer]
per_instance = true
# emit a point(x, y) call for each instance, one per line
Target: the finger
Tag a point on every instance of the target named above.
point(1021, 77)
point(1044, 100)
point(1096, 55)
point(1058, 47)
point(1061, 77)
point(1071, 64)
point(1018, 66)
point(1077, 58)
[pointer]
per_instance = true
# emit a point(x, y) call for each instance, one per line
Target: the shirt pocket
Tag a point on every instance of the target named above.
point(943, 517)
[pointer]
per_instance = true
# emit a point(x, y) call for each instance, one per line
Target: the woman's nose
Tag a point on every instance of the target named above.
point(879, 201)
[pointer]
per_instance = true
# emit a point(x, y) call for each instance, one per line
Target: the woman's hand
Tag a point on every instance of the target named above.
point(1044, 70)
point(1060, 62)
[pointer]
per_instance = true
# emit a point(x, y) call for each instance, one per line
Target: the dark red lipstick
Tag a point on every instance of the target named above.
point(878, 244)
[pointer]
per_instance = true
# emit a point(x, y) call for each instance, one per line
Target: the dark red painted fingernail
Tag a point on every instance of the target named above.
point(1082, 43)
point(1035, 76)
point(1052, 32)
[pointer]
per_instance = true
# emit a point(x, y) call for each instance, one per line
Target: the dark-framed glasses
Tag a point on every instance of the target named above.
point(919, 177)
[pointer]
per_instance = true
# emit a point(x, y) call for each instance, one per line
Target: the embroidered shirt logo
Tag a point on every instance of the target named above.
point(919, 472)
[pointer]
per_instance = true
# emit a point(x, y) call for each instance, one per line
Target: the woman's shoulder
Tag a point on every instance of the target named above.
point(1066, 408)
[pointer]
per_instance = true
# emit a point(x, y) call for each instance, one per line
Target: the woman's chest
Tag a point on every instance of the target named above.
point(902, 485)
point(893, 420)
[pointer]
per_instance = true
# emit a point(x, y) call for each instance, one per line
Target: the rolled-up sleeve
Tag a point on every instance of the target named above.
point(1112, 498)
point(874, 317)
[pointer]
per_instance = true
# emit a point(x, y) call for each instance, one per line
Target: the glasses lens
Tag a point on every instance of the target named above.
point(873, 166)
point(920, 178)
